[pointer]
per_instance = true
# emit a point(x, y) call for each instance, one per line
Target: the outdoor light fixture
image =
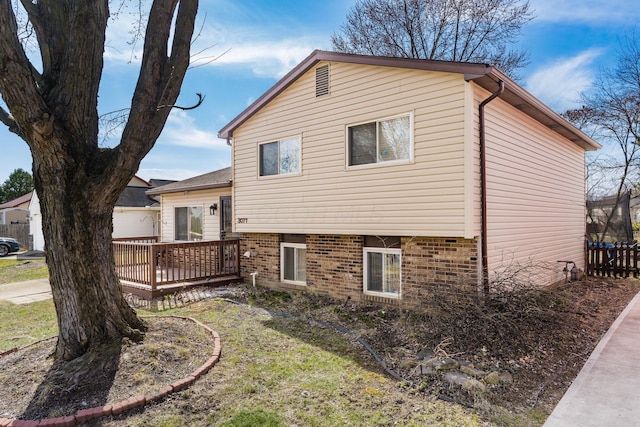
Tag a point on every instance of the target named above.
point(212, 209)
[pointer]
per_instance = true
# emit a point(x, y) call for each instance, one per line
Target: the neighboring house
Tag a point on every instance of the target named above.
point(135, 214)
point(197, 208)
point(15, 211)
point(379, 178)
point(616, 214)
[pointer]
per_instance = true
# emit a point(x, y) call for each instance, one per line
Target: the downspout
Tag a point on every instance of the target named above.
point(483, 186)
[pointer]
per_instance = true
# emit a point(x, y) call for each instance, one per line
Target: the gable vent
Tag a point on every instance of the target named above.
point(322, 81)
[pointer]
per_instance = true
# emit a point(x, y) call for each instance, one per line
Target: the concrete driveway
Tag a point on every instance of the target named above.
point(26, 292)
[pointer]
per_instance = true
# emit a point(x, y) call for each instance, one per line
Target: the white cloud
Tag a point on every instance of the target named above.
point(267, 47)
point(267, 52)
point(121, 44)
point(164, 173)
point(265, 59)
point(560, 84)
point(180, 130)
point(596, 12)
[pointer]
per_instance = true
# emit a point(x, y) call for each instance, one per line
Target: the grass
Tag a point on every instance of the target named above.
point(25, 323)
point(283, 372)
point(19, 271)
point(273, 372)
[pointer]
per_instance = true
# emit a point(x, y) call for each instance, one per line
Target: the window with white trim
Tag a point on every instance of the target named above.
point(293, 262)
point(188, 223)
point(380, 141)
point(383, 271)
point(280, 157)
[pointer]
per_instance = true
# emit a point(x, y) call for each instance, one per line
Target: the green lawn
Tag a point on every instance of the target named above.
point(273, 372)
point(20, 270)
point(22, 324)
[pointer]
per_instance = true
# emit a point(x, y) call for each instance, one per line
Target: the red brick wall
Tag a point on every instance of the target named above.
point(335, 266)
point(264, 257)
point(435, 264)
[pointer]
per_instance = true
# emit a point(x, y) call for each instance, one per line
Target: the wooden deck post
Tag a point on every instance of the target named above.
point(237, 255)
point(152, 266)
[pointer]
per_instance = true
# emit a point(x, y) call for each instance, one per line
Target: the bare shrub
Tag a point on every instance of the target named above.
point(507, 319)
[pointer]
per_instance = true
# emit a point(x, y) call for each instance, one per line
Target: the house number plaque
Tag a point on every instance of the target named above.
point(243, 220)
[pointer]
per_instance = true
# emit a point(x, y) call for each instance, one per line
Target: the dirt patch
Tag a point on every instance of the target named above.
point(36, 388)
point(541, 338)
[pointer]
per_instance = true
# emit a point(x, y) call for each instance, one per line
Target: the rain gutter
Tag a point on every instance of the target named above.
point(483, 185)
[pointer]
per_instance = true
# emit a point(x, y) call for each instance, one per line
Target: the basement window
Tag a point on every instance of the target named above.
point(382, 266)
point(293, 259)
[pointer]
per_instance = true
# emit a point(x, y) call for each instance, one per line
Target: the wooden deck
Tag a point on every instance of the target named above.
point(151, 269)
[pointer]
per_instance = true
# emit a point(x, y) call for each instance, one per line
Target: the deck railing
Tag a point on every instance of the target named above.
point(618, 259)
point(155, 264)
point(143, 239)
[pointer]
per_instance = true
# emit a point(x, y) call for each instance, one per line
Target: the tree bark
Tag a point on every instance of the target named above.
point(78, 183)
point(90, 306)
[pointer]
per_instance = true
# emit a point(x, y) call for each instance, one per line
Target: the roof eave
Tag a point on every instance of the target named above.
point(522, 100)
point(154, 192)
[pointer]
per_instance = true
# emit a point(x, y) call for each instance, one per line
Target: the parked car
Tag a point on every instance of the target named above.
point(8, 245)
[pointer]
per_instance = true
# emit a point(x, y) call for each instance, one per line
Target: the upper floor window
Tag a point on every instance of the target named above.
point(380, 141)
point(280, 157)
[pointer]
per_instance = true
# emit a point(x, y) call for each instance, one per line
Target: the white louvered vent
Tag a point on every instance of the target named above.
point(322, 80)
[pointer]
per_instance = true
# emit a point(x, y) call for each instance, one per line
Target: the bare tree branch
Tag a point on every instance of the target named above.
point(463, 30)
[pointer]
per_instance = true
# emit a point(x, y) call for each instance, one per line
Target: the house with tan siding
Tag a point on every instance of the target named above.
point(195, 209)
point(379, 178)
point(15, 211)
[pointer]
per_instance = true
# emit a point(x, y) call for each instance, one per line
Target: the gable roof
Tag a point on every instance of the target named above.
point(153, 182)
point(484, 75)
point(136, 181)
point(216, 179)
point(17, 201)
point(135, 197)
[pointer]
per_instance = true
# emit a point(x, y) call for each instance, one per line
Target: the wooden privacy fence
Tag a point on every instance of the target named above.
point(152, 267)
point(20, 232)
point(618, 259)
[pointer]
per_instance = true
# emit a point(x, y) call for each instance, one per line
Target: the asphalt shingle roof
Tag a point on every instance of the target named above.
point(216, 179)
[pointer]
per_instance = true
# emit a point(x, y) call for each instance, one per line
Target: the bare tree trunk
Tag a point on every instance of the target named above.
point(78, 182)
point(90, 306)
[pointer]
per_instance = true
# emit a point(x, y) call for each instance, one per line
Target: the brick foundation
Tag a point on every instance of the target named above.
point(429, 264)
point(264, 257)
point(335, 266)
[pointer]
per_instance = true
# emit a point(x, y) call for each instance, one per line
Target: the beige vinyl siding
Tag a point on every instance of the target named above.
point(535, 195)
point(203, 198)
point(425, 197)
point(473, 191)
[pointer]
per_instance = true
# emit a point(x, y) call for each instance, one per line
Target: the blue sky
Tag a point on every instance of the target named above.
point(568, 42)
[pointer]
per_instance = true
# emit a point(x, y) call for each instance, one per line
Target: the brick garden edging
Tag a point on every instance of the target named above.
point(118, 408)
